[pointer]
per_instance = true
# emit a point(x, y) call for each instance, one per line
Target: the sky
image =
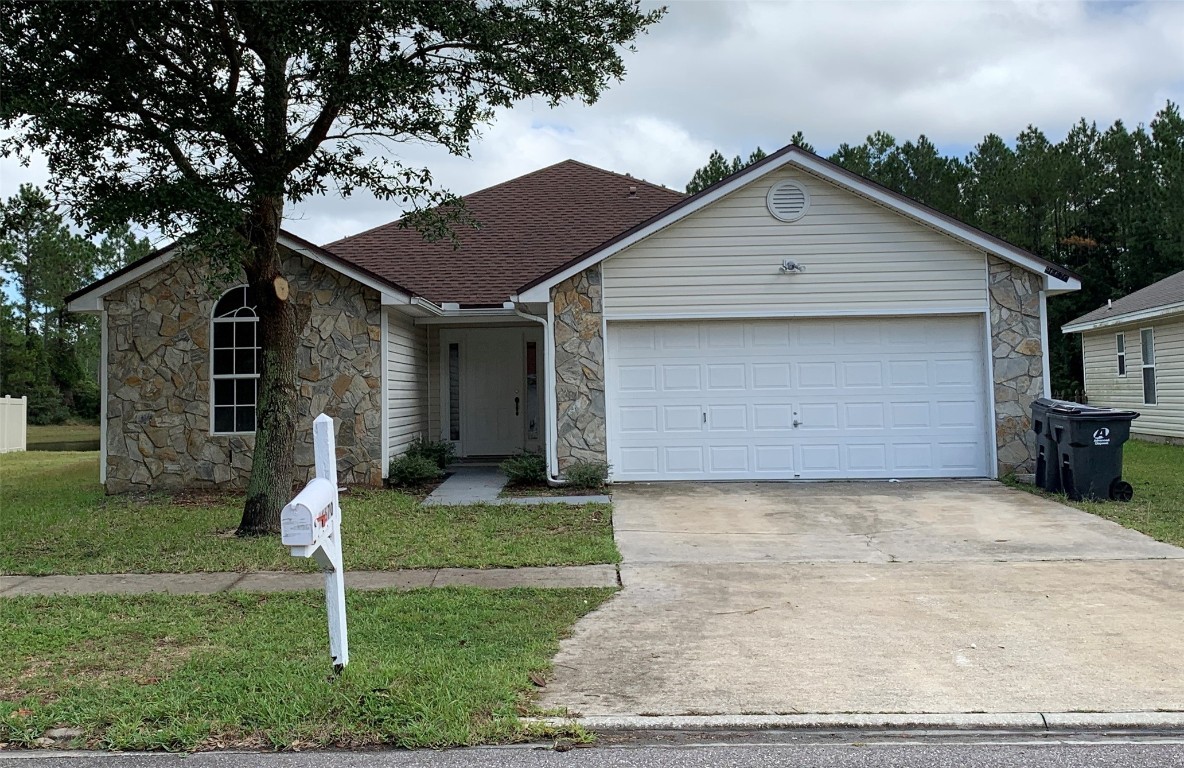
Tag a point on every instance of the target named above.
point(733, 75)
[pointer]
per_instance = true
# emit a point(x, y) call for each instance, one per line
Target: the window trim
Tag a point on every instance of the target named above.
point(1145, 365)
point(1120, 351)
point(233, 376)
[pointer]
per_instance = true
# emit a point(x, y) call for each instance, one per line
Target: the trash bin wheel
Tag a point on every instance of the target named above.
point(1121, 490)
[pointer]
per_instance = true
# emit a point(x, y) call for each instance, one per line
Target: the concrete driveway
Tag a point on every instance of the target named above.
point(937, 597)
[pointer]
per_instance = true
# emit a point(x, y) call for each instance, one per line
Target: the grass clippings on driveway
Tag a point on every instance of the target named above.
point(430, 668)
point(1157, 473)
point(56, 519)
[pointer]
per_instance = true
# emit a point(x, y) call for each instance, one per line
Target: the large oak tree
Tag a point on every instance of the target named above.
point(206, 118)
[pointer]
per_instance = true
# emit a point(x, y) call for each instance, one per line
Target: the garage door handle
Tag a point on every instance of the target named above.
point(797, 423)
point(515, 406)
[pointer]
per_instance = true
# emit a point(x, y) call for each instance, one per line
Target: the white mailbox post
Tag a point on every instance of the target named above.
point(311, 526)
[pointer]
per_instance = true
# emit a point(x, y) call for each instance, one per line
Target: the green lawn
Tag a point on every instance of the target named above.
point(1157, 474)
point(56, 520)
point(429, 668)
point(60, 433)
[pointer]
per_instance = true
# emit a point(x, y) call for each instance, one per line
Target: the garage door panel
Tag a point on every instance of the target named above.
point(863, 374)
point(766, 376)
point(727, 418)
point(908, 373)
point(725, 376)
point(729, 459)
point(910, 415)
point(685, 459)
point(638, 461)
point(775, 459)
point(818, 375)
point(684, 378)
point(871, 397)
point(637, 378)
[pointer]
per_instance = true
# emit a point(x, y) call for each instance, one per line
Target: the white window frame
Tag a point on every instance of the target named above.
point(1120, 348)
point(1144, 333)
point(214, 320)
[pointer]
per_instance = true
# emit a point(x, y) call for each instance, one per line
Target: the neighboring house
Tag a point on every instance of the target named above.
point(1132, 353)
point(794, 321)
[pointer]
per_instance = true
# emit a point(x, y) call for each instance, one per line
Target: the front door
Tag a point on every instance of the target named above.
point(492, 392)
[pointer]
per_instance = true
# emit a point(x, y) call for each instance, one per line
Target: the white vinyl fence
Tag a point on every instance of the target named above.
point(13, 413)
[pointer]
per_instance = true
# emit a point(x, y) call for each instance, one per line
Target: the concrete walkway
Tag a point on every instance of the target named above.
point(280, 581)
point(482, 485)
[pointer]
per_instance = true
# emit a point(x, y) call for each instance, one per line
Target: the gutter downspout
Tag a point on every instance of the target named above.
point(552, 422)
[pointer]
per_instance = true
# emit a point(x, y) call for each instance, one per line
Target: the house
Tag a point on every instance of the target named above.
point(1132, 353)
point(793, 321)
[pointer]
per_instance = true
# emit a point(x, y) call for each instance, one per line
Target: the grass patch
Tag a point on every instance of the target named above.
point(1155, 471)
point(431, 668)
point(56, 519)
point(60, 433)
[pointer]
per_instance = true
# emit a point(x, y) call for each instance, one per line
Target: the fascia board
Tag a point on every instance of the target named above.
point(1123, 319)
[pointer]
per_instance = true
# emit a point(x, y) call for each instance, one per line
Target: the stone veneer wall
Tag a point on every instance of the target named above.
point(158, 380)
point(1018, 362)
point(579, 369)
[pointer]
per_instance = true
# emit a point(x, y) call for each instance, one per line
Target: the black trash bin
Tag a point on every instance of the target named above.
point(1048, 464)
point(1089, 444)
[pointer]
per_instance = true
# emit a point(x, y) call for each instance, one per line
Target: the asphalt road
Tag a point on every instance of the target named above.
point(898, 751)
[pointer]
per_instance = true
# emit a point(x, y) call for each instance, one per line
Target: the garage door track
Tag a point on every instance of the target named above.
point(922, 597)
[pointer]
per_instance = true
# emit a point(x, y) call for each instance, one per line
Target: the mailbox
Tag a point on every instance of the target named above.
point(308, 518)
point(311, 525)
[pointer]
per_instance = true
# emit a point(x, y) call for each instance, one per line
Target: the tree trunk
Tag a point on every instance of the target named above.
point(273, 465)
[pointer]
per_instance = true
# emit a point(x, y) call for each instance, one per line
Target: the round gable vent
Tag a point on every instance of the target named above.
point(788, 200)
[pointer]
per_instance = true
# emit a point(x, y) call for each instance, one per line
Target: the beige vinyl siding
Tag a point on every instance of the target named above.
point(407, 380)
point(859, 258)
point(1105, 387)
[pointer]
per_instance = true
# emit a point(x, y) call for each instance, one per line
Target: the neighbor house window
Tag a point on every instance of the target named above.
point(235, 371)
point(1147, 341)
point(1120, 344)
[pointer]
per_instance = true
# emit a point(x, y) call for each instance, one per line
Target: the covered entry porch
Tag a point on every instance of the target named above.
point(491, 388)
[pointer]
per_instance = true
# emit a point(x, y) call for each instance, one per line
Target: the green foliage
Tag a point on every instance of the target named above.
point(718, 169)
point(525, 469)
point(268, 103)
point(412, 471)
point(587, 474)
point(440, 452)
point(1105, 203)
point(46, 353)
point(429, 668)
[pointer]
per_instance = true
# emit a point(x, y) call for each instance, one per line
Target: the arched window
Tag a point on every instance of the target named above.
point(235, 372)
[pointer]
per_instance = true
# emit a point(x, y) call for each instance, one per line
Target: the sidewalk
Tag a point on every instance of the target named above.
point(280, 581)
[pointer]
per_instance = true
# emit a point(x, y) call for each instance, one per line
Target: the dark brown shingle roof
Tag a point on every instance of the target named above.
point(527, 227)
point(1170, 290)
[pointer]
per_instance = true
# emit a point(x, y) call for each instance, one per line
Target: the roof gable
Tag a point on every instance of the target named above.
point(526, 227)
point(90, 298)
point(1057, 278)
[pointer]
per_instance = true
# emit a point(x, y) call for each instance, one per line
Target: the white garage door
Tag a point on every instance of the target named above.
point(808, 399)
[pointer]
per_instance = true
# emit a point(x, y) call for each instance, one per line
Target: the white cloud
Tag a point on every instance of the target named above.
point(733, 75)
